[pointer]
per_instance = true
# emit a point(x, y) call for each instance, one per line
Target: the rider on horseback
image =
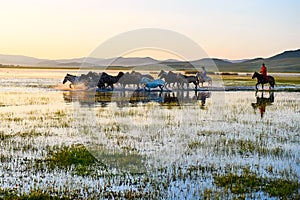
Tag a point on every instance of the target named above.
point(263, 71)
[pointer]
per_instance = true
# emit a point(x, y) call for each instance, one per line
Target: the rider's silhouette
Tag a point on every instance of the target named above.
point(263, 71)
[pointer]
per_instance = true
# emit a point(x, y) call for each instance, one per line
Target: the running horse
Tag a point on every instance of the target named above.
point(71, 78)
point(170, 77)
point(148, 83)
point(261, 80)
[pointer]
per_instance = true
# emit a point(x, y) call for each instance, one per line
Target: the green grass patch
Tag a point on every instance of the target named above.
point(248, 182)
point(76, 156)
point(33, 195)
point(243, 147)
point(126, 160)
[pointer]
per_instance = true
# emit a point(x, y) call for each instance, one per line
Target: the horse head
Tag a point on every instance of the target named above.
point(162, 74)
point(120, 74)
point(144, 80)
point(255, 75)
point(67, 78)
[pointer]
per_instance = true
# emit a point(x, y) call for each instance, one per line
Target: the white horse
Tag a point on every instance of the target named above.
point(148, 83)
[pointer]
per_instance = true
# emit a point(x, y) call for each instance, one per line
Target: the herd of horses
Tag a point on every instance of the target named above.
point(165, 79)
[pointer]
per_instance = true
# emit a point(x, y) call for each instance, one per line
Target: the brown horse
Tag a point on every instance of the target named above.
point(170, 77)
point(261, 80)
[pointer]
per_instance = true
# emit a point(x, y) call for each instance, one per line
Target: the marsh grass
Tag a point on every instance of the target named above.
point(150, 150)
point(33, 195)
point(242, 147)
point(76, 156)
point(248, 182)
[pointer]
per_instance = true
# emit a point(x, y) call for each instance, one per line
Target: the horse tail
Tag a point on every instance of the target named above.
point(272, 82)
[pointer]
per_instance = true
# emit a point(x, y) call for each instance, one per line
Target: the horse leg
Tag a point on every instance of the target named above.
point(256, 86)
point(271, 82)
point(161, 87)
point(166, 84)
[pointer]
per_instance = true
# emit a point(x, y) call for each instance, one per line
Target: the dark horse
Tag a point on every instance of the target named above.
point(109, 80)
point(261, 80)
point(76, 79)
point(73, 79)
point(187, 80)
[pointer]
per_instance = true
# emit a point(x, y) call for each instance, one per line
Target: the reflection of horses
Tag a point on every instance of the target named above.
point(170, 99)
point(262, 102)
point(144, 96)
point(202, 97)
point(88, 98)
point(128, 98)
point(185, 97)
point(261, 80)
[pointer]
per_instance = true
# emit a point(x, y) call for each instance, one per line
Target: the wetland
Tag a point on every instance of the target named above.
point(208, 144)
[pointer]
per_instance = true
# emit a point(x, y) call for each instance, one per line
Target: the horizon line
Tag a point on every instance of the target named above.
point(212, 57)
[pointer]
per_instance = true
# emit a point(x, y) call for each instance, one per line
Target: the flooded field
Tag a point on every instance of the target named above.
point(149, 145)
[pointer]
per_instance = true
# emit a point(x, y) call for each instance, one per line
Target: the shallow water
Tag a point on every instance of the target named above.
point(146, 135)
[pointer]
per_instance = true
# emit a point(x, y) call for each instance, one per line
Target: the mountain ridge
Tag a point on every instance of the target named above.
point(287, 61)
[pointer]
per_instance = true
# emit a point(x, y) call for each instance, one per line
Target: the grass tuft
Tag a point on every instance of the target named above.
point(76, 156)
point(249, 182)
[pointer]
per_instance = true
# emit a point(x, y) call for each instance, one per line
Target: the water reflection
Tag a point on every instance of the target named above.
point(262, 102)
point(133, 98)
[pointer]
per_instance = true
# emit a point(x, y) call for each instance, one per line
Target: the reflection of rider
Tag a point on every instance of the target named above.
point(204, 72)
point(262, 102)
point(263, 71)
point(262, 109)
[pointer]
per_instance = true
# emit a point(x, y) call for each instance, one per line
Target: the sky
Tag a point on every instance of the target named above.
point(229, 29)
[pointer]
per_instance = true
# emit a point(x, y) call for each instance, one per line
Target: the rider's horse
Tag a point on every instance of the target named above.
point(261, 80)
point(203, 79)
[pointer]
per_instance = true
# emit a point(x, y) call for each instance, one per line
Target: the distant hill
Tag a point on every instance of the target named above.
point(288, 61)
point(19, 60)
point(286, 54)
